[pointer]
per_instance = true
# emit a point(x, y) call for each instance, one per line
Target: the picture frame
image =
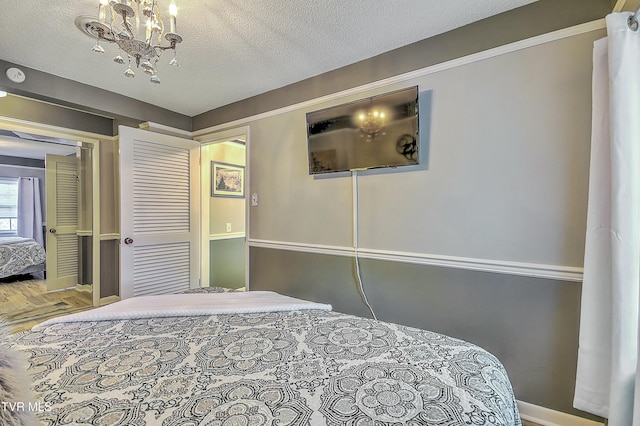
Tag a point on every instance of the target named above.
point(227, 180)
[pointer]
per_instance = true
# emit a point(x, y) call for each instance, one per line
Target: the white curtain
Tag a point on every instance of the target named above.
point(30, 209)
point(608, 377)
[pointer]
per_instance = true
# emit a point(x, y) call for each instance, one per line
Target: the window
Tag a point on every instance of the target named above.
point(8, 206)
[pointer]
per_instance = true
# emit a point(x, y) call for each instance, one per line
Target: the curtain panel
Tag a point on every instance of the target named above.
point(607, 376)
point(30, 209)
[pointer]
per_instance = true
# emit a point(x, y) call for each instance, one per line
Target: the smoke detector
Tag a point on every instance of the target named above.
point(16, 75)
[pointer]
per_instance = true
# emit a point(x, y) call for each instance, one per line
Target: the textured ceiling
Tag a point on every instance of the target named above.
point(232, 49)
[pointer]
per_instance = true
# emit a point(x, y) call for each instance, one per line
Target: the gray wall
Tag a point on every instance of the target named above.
point(506, 179)
point(508, 155)
point(54, 115)
point(99, 104)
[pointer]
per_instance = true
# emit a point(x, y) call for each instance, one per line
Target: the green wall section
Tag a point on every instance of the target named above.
point(227, 263)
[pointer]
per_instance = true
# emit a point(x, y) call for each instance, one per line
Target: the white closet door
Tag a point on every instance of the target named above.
point(61, 177)
point(159, 223)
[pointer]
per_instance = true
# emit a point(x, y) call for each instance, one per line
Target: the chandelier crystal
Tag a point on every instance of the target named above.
point(136, 26)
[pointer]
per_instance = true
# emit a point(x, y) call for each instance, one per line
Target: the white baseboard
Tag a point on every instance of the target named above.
point(547, 417)
point(109, 299)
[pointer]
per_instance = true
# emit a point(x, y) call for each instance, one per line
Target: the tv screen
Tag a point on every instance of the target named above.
point(379, 131)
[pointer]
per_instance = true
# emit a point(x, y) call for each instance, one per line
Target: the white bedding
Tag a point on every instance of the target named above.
point(179, 305)
point(20, 255)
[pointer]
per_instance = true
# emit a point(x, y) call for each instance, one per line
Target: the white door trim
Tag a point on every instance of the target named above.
point(205, 234)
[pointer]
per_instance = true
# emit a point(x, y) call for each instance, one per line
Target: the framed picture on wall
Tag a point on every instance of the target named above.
point(227, 180)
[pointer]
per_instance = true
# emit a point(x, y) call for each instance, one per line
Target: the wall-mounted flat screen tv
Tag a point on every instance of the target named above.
point(379, 131)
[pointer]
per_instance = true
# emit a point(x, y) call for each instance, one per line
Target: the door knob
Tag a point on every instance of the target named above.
point(52, 230)
point(128, 240)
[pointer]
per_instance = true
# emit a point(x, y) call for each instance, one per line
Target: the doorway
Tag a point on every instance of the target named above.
point(224, 180)
point(28, 297)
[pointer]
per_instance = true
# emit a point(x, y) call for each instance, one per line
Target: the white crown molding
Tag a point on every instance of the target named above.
point(165, 130)
point(15, 166)
point(454, 63)
point(556, 272)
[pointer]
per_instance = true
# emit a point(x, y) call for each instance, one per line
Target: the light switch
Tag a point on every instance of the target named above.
point(228, 227)
point(254, 199)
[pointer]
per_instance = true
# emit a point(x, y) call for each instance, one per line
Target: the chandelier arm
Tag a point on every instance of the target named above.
point(127, 26)
point(101, 36)
point(163, 48)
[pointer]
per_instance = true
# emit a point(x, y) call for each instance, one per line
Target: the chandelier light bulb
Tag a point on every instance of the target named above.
point(102, 10)
point(173, 11)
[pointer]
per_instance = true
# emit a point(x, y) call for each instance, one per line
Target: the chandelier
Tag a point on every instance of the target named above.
point(371, 123)
point(136, 26)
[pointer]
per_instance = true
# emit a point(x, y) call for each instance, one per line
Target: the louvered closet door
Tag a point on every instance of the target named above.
point(159, 223)
point(62, 221)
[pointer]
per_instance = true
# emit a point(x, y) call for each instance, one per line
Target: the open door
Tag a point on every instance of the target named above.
point(224, 249)
point(61, 174)
point(159, 214)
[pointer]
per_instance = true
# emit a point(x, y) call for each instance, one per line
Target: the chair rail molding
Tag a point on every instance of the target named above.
point(536, 270)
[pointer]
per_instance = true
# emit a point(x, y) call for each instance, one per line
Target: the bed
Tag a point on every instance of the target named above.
point(20, 255)
point(252, 358)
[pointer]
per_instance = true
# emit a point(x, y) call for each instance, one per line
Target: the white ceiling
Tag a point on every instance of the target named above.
point(26, 145)
point(232, 49)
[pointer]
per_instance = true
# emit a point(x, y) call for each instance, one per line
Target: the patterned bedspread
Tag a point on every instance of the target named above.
point(308, 367)
point(18, 254)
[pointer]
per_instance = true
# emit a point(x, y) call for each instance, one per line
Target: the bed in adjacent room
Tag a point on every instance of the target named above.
point(256, 358)
point(20, 256)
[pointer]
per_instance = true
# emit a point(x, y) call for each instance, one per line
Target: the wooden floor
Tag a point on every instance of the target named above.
point(25, 303)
